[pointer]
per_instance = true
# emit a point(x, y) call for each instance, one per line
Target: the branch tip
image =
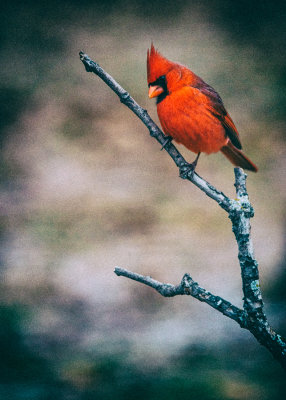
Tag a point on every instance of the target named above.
point(118, 271)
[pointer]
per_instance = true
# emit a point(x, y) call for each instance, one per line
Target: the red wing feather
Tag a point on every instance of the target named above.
point(231, 131)
point(217, 108)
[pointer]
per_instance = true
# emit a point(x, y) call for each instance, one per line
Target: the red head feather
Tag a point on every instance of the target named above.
point(177, 75)
point(157, 65)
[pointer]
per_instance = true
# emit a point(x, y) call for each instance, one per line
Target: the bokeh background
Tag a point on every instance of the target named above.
point(84, 188)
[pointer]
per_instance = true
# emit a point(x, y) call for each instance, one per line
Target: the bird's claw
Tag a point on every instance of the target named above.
point(187, 170)
point(167, 141)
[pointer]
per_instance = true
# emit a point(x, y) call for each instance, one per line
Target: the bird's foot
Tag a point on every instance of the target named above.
point(187, 170)
point(167, 141)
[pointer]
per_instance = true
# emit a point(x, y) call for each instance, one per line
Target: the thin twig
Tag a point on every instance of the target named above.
point(191, 288)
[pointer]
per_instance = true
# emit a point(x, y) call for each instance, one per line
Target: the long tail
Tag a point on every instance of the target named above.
point(237, 157)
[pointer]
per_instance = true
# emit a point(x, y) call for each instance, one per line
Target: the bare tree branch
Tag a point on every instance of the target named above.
point(240, 218)
point(240, 211)
point(191, 288)
point(156, 132)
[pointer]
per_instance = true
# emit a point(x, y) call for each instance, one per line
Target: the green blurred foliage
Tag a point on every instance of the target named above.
point(203, 372)
point(24, 373)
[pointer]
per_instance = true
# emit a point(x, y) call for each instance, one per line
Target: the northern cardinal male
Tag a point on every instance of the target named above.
point(191, 112)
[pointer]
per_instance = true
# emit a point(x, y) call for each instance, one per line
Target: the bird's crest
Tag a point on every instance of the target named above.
point(157, 65)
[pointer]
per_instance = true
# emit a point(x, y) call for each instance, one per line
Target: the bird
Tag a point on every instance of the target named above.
point(191, 112)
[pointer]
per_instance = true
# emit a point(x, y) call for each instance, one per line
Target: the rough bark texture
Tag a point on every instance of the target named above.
point(252, 316)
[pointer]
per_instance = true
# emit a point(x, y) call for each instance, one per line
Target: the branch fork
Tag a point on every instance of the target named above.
point(252, 316)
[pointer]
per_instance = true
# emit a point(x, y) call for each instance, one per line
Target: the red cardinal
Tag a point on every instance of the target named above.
point(191, 112)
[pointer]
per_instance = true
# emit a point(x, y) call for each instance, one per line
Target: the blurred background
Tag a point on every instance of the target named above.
point(84, 188)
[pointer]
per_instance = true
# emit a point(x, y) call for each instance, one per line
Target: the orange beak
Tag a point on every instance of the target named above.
point(155, 91)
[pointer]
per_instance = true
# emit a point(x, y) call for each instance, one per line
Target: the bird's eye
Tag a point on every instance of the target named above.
point(161, 81)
